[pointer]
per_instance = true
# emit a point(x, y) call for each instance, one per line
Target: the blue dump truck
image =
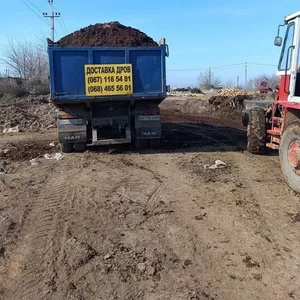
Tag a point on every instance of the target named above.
point(108, 95)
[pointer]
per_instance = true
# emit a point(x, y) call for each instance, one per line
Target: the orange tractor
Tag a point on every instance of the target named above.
point(275, 124)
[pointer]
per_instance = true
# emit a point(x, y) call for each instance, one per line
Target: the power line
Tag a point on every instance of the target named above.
point(34, 6)
point(267, 65)
point(62, 19)
point(239, 65)
point(61, 26)
point(216, 67)
point(35, 12)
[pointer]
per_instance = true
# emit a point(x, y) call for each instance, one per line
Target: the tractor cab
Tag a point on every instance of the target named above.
point(289, 62)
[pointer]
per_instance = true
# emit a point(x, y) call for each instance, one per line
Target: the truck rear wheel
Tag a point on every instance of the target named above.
point(289, 155)
point(256, 131)
point(79, 147)
point(66, 148)
point(140, 144)
point(155, 143)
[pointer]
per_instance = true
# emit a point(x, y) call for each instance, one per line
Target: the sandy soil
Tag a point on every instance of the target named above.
point(122, 224)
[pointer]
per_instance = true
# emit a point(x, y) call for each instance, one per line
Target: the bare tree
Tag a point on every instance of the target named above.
point(24, 59)
point(254, 83)
point(208, 79)
point(229, 84)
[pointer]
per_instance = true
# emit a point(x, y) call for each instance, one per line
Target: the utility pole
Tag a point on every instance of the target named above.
point(51, 16)
point(246, 76)
point(209, 77)
point(237, 81)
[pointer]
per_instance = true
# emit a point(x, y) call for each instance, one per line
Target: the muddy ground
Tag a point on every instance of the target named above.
point(122, 224)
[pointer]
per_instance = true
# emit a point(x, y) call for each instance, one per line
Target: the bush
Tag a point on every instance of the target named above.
point(12, 88)
point(37, 86)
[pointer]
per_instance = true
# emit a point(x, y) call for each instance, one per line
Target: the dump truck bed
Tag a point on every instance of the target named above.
point(83, 74)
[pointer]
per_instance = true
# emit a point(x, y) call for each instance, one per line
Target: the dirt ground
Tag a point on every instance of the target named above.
point(122, 224)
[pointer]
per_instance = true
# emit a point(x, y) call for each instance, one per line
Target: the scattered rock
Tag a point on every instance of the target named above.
point(3, 169)
point(199, 218)
point(296, 218)
point(141, 267)
point(257, 277)
point(34, 162)
point(78, 253)
point(107, 256)
point(2, 251)
point(151, 271)
point(249, 263)
point(187, 262)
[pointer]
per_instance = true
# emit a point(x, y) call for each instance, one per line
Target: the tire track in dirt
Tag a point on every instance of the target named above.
point(41, 241)
point(275, 201)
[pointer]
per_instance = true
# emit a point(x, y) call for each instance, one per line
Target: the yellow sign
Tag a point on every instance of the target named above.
point(108, 80)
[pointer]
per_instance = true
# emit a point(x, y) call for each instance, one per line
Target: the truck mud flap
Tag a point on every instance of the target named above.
point(72, 130)
point(147, 127)
point(72, 137)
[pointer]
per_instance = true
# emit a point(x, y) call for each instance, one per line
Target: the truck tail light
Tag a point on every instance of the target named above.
point(67, 116)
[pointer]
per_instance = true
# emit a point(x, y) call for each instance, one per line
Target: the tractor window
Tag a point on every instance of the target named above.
point(288, 42)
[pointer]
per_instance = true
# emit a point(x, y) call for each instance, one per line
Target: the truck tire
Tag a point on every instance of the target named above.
point(79, 147)
point(141, 144)
point(66, 148)
point(154, 143)
point(256, 131)
point(289, 155)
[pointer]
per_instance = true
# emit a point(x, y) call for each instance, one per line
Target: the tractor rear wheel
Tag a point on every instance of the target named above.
point(256, 131)
point(289, 155)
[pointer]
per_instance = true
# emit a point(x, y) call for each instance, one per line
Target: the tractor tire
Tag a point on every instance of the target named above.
point(290, 173)
point(79, 147)
point(256, 131)
point(66, 148)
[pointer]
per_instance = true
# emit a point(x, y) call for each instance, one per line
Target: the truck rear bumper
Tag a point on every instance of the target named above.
point(125, 140)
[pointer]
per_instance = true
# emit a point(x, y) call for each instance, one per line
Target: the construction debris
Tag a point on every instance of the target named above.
point(28, 113)
point(34, 162)
point(107, 34)
point(237, 92)
point(57, 156)
point(217, 165)
point(11, 129)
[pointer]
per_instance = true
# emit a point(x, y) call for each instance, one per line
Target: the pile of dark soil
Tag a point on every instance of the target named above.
point(24, 151)
point(107, 34)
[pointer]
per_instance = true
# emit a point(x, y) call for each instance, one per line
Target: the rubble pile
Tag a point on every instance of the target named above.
point(107, 34)
point(29, 113)
point(237, 92)
point(228, 99)
point(230, 102)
